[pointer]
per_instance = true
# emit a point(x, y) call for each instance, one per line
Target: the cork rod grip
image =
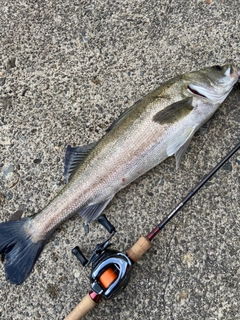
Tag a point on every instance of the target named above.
point(82, 309)
point(139, 248)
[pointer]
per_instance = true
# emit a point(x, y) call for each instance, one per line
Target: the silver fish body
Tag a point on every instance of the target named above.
point(156, 127)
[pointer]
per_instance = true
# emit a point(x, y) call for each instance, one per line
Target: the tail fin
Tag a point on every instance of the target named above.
point(19, 252)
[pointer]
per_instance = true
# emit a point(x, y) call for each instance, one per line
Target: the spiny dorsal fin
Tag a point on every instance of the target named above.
point(122, 116)
point(74, 157)
point(174, 112)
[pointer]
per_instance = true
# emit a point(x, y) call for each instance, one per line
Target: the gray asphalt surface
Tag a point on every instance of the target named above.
point(67, 70)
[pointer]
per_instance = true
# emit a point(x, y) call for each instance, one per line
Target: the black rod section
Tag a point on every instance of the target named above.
point(155, 231)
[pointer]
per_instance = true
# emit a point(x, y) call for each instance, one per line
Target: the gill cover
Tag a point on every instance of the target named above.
point(213, 83)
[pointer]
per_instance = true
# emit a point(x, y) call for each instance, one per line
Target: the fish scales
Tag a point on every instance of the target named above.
point(102, 172)
point(156, 127)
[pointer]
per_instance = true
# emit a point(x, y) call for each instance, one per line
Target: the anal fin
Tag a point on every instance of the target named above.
point(92, 211)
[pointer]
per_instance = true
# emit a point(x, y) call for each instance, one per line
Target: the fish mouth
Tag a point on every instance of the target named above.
point(193, 89)
point(209, 94)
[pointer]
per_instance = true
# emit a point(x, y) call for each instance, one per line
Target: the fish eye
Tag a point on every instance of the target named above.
point(217, 67)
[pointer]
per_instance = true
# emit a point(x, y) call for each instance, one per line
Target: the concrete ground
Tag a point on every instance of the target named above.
point(67, 70)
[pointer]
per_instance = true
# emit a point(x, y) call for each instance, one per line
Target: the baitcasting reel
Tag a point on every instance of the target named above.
point(111, 269)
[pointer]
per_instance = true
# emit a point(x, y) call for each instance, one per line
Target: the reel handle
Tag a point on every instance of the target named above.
point(134, 253)
point(84, 306)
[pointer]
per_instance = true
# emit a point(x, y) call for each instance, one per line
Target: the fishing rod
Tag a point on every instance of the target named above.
point(111, 269)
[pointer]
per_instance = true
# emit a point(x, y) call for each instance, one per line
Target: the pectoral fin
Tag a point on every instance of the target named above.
point(74, 157)
point(176, 144)
point(174, 112)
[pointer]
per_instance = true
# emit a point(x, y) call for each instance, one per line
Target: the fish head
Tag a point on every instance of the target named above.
point(212, 83)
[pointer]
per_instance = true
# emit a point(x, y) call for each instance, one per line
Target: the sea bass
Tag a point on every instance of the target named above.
point(160, 125)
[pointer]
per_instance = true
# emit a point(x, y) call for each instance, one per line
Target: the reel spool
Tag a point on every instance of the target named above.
point(111, 269)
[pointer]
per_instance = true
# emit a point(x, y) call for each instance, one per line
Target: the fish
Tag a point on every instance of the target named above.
point(158, 126)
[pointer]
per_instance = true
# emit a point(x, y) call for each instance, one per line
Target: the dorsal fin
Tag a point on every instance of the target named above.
point(74, 156)
point(174, 112)
point(122, 116)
